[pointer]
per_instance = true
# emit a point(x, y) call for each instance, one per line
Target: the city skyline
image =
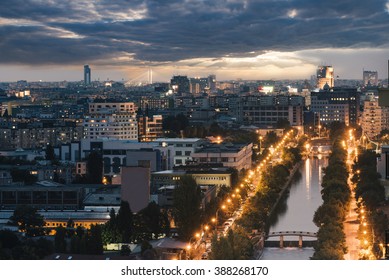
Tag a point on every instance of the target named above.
point(52, 40)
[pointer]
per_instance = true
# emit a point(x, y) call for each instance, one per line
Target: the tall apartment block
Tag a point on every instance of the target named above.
point(112, 120)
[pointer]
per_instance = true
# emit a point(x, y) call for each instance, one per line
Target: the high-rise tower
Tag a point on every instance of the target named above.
point(212, 83)
point(370, 78)
point(325, 75)
point(87, 75)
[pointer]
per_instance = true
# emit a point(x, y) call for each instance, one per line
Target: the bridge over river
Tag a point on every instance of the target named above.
point(291, 243)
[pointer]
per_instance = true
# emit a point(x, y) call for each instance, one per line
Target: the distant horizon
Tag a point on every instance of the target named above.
point(167, 80)
point(251, 39)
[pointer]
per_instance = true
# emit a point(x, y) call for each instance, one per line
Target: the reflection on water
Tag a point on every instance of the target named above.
point(308, 175)
point(295, 212)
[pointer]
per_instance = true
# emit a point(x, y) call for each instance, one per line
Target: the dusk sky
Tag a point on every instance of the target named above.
point(51, 40)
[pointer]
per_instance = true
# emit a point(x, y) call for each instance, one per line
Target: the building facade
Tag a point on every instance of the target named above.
point(37, 134)
point(136, 186)
point(338, 104)
point(267, 110)
point(112, 120)
point(211, 177)
point(182, 149)
point(149, 128)
point(87, 75)
point(238, 156)
point(370, 78)
point(374, 117)
point(325, 75)
point(180, 84)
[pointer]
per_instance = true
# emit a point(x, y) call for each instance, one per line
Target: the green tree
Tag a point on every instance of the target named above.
point(125, 222)
point(24, 176)
point(269, 139)
point(329, 213)
point(150, 222)
point(125, 250)
point(44, 247)
point(28, 220)
point(221, 249)
point(186, 207)
point(24, 252)
point(110, 231)
point(8, 239)
point(60, 244)
point(241, 245)
point(283, 123)
point(94, 242)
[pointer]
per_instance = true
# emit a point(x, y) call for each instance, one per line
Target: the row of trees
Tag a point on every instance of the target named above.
point(81, 241)
point(259, 206)
point(336, 194)
point(273, 179)
point(370, 193)
point(188, 212)
point(365, 177)
point(235, 246)
point(14, 248)
point(125, 227)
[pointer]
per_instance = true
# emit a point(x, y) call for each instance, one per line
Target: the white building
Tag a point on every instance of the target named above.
point(112, 120)
point(183, 148)
point(238, 156)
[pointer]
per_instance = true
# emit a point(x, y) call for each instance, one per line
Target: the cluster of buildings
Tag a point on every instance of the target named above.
point(125, 126)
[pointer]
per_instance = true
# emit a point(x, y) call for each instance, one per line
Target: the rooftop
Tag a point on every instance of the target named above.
point(178, 140)
point(220, 148)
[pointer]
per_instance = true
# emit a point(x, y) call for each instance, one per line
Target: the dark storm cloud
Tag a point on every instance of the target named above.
point(56, 32)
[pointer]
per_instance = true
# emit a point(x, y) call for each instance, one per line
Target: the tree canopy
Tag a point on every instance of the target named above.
point(28, 220)
point(186, 207)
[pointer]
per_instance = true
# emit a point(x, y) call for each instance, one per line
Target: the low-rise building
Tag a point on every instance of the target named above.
point(238, 156)
point(211, 177)
point(56, 218)
point(42, 195)
point(183, 148)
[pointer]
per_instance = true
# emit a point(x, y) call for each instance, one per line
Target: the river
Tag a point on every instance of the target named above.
point(295, 212)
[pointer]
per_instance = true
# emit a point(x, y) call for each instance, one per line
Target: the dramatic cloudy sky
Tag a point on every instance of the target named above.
point(249, 39)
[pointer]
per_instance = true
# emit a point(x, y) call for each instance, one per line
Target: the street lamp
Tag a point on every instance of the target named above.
point(189, 247)
point(205, 236)
point(260, 144)
point(217, 216)
point(383, 250)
